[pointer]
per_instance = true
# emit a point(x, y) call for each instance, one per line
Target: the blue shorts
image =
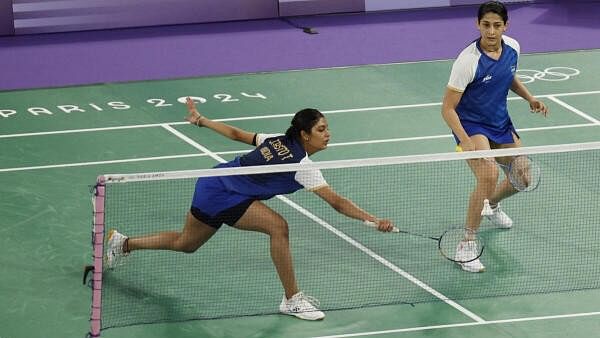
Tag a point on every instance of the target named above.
point(499, 137)
point(214, 205)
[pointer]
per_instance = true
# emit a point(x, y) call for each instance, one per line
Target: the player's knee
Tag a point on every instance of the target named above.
point(186, 245)
point(189, 248)
point(280, 229)
point(488, 175)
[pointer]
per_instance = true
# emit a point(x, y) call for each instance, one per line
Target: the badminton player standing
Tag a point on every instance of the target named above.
point(475, 108)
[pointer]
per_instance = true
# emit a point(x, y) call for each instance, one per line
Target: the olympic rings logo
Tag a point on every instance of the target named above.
point(551, 74)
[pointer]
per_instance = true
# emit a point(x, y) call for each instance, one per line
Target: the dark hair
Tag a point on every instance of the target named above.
point(303, 120)
point(493, 7)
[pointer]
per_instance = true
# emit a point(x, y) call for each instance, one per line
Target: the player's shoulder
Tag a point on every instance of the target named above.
point(512, 43)
point(469, 54)
point(262, 137)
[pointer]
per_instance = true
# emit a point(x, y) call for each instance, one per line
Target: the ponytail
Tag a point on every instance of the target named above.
point(292, 132)
point(303, 120)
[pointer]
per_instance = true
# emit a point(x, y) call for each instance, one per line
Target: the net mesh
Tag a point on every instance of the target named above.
point(552, 247)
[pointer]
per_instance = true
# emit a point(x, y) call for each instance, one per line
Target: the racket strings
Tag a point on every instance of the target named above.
point(524, 174)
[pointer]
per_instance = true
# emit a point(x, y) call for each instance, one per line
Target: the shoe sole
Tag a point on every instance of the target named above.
point(110, 234)
point(297, 315)
point(500, 226)
point(311, 319)
point(471, 271)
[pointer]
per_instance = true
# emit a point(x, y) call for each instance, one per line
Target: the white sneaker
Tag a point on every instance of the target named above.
point(467, 251)
point(114, 251)
point(301, 306)
point(499, 218)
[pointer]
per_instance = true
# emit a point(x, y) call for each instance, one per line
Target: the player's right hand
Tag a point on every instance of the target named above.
point(466, 145)
point(384, 225)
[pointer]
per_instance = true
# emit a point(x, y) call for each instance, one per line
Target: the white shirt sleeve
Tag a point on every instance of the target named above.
point(463, 71)
point(514, 44)
point(260, 138)
point(310, 179)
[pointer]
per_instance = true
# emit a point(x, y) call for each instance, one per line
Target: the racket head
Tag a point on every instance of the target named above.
point(460, 245)
point(524, 174)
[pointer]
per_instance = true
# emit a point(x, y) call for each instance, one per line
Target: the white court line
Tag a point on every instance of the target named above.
point(402, 139)
point(574, 110)
point(382, 260)
point(88, 130)
point(447, 326)
point(342, 235)
point(365, 142)
point(405, 106)
point(418, 62)
point(83, 164)
point(432, 137)
point(192, 143)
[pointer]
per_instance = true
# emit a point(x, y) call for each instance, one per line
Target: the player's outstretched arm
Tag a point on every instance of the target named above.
point(234, 133)
point(346, 207)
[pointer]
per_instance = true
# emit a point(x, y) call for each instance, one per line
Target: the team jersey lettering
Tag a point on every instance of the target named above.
point(266, 153)
point(282, 151)
point(272, 149)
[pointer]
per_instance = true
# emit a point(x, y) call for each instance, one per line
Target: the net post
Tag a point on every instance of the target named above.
point(97, 254)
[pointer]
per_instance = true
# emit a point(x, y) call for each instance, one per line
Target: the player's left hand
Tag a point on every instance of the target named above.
point(193, 117)
point(537, 106)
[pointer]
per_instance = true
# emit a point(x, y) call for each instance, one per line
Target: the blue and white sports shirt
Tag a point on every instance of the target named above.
point(273, 149)
point(485, 83)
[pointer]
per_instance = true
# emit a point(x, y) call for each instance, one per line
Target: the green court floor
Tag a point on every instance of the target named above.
point(55, 142)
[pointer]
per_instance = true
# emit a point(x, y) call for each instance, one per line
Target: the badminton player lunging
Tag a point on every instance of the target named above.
point(475, 108)
point(236, 200)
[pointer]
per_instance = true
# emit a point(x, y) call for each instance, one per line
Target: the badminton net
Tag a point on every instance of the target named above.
point(552, 247)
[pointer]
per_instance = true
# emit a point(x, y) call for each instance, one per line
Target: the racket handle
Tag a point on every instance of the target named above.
point(374, 225)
